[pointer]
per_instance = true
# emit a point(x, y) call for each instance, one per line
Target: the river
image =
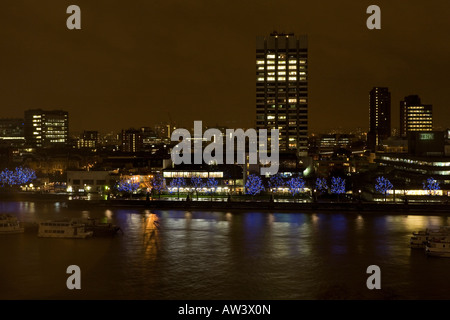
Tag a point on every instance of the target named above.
point(188, 255)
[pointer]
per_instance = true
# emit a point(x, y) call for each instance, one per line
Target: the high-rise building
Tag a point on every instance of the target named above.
point(415, 116)
point(282, 88)
point(46, 128)
point(132, 140)
point(379, 116)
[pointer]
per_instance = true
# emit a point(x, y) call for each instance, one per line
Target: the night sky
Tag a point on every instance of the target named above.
point(137, 63)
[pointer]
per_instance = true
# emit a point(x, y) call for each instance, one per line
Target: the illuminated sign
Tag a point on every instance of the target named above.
point(426, 136)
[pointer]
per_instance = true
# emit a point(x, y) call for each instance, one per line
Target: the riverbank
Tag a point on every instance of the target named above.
point(422, 208)
point(391, 208)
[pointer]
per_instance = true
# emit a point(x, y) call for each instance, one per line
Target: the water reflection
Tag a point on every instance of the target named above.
point(150, 230)
point(85, 214)
point(108, 214)
point(167, 254)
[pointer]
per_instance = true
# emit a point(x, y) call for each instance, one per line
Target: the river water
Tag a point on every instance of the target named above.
point(186, 255)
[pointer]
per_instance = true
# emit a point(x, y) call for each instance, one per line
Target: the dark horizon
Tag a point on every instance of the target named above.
point(139, 64)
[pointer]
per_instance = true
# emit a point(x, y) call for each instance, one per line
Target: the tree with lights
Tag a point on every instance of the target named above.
point(254, 185)
point(127, 186)
point(158, 183)
point(177, 183)
point(212, 183)
point(296, 185)
point(276, 181)
point(18, 177)
point(337, 186)
point(383, 185)
point(321, 185)
point(197, 183)
point(431, 186)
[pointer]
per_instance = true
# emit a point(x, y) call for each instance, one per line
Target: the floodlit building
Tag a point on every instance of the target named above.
point(282, 88)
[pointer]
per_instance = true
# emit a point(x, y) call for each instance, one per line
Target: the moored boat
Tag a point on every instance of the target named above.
point(63, 229)
point(101, 229)
point(10, 225)
point(438, 248)
point(420, 238)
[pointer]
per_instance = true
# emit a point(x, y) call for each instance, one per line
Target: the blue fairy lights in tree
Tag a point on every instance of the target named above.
point(197, 183)
point(128, 186)
point(321, 185)
point(177, 183)
point(276, 181)
point(337, 185)
point(18, 177)
point(296, 185)
point(383, 185)
point(254, 185)
point(158, 183)
point(212, 183)
point(431, 186)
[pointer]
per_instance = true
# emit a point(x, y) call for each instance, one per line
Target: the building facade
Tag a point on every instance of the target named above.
point(379, 116)
point(90, 181)
point(415, 116)
point(88, 140)
point(132, 141)
point(282, 88)
point(12, 132)
point(45, 129)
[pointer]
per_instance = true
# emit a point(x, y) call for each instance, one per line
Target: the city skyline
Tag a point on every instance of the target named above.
point(110, 70)
point(189, 151)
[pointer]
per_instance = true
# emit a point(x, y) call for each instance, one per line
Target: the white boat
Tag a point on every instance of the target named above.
point(63, 229)
point(438, 248)
point(9, 225)
point(420, 238)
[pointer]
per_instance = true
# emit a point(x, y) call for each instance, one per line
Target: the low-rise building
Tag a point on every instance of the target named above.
point(90, 181)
